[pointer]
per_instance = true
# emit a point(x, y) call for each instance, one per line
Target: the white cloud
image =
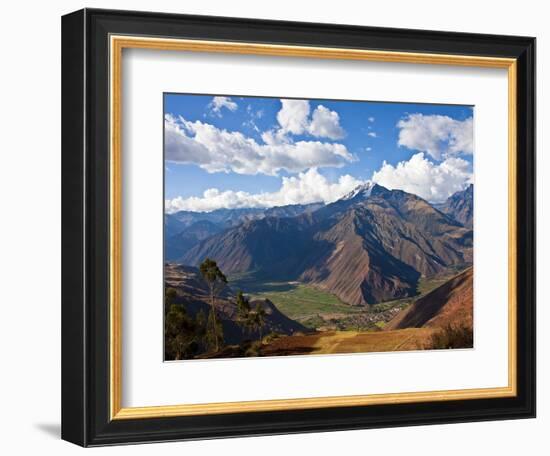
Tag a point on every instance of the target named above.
point(372, 134)
point(439, 136)
point(371, 119)
point(305, 188)
point(420, 176)
point(218, 103)
point(217, 150)
point(294, 118)
point(368, 149)
point(326, 123)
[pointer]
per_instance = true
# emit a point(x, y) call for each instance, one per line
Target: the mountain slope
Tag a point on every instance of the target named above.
point(178, 244)
point(368, 247)
point(193, 293)
point(352, 264)
point(382, 244)
point(460, 206)
point(450, 303)
point(172, 225)
point(272, 245)
point(184, 229)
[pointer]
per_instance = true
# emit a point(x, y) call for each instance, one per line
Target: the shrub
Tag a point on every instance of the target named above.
point(452, 336)
point(270, 337)
point(254, 349)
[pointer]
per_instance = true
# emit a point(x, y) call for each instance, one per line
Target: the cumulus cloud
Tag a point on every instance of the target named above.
point(371, 119)
point(305, 188)
point(420, 176)
point(326, 123)
point(294, 118)
point(218, 150)
point(218, 103)
point(372, 134)
point(438, 136)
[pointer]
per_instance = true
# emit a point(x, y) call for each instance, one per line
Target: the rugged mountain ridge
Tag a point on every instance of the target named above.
point(228, 218)
point(370, 246)
point(460, 206)
point(185, 229)
point(179, 243)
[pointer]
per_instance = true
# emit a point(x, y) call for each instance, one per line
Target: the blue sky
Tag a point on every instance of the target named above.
point(251, 151)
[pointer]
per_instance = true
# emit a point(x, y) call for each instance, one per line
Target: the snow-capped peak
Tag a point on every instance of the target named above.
point(363, 190)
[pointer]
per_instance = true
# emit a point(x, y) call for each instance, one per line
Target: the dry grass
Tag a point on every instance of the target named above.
point(350, 342)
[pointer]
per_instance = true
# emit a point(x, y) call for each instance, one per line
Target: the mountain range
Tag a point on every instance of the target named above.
point(183, 229)
point(370, 246)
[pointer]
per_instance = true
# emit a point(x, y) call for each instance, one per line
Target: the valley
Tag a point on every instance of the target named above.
point(317, 309)
point(375, 271)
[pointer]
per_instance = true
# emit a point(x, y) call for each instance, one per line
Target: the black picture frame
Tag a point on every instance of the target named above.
point(85, 225)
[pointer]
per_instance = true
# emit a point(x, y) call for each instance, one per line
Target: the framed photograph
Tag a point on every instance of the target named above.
point(278, 227)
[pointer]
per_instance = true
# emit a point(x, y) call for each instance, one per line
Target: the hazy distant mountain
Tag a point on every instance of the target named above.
point(227, 218)
point(172, 225)
point(223, 217)
point(292, 210)
point(370, 246)
point(178, 244)
point(460, 206)
point(184, 229)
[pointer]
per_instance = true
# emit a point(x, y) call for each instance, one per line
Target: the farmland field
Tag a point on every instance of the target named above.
point(300, 301)
point(318, 309)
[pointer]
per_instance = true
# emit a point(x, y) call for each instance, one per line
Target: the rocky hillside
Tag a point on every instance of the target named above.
point(192, 292)
point(460, 206)
point(450, 303)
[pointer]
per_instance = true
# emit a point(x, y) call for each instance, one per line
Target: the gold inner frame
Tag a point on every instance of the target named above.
point(117, 44)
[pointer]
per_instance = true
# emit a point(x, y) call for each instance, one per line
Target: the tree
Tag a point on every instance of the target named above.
point(214, 331)
point(243, 306)
point(216, 281)
point(181, 332)
point(243, 312)
point(170, 296)
point(250, 320)
point(258, 319)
